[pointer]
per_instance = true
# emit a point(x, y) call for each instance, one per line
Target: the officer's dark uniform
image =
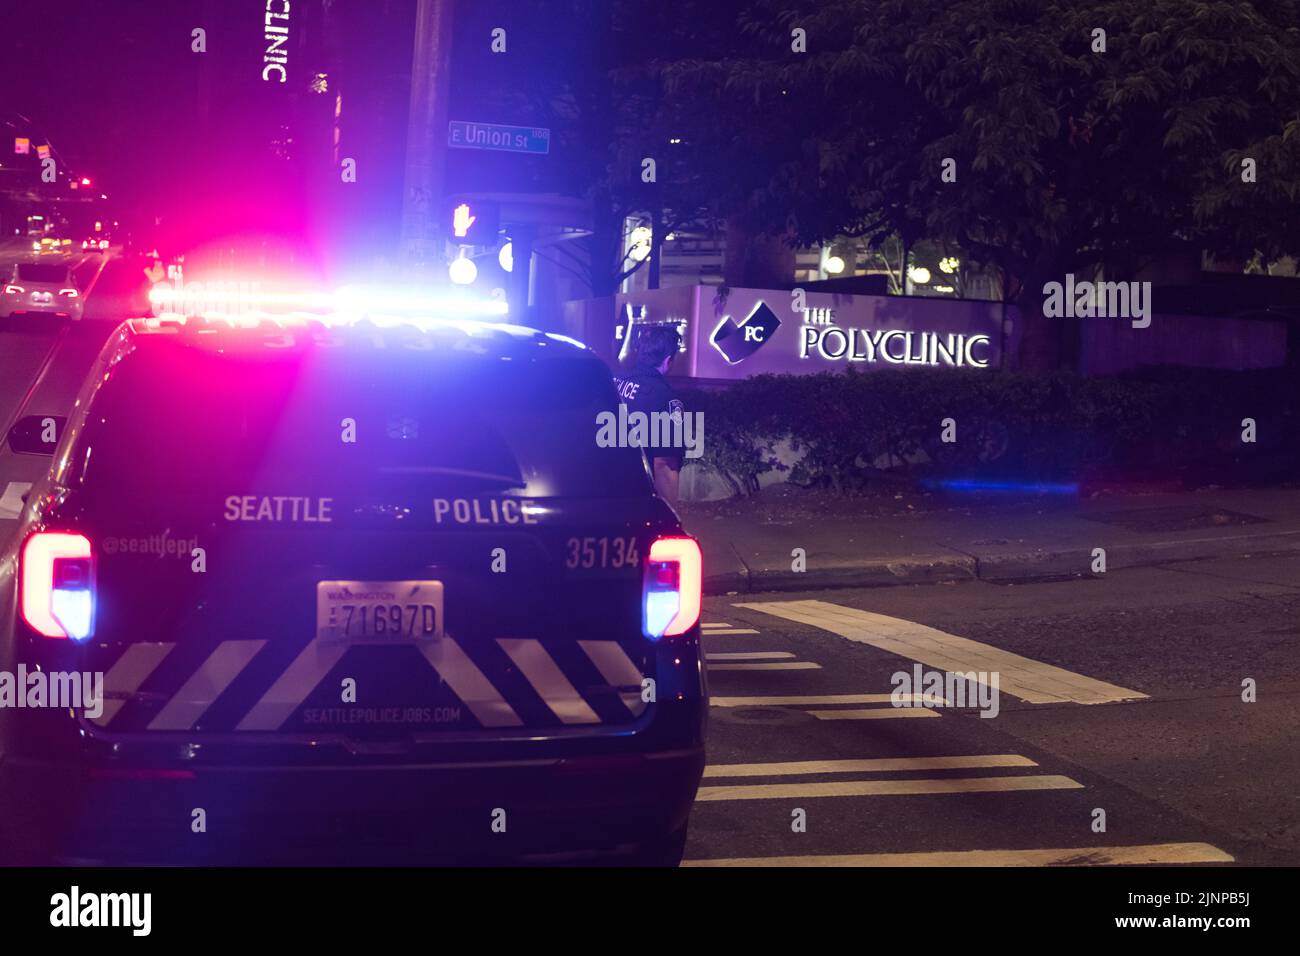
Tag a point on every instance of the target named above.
point(643, 389)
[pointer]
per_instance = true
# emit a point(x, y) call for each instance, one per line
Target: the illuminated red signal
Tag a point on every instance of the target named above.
point(461, 220)
point(473, 222)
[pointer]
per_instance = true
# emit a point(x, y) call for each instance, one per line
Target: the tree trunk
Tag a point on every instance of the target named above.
point(606, 247)
point(1041, 338)
point(756, 261)
point(656, 248)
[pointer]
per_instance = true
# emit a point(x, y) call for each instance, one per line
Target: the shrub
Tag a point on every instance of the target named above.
point(849, 428)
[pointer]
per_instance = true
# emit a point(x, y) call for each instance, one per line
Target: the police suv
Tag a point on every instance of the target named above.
point(342, 592)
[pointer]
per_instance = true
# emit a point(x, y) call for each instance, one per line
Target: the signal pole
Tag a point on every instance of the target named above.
point(426, 133)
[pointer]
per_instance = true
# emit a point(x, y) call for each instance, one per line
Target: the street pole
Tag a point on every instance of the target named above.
point(656, 247)
point(522, 238)
point(426, 132)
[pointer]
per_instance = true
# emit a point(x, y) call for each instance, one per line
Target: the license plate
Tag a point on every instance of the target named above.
point(379, 612)
point(42, 298)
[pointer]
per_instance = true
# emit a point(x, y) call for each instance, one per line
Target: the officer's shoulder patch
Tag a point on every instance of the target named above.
point(675, 406)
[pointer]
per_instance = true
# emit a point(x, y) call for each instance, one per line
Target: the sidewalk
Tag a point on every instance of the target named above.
point(984, 539)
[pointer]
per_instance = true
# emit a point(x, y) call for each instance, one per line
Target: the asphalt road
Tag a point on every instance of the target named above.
point(44, 360)
point(1189, 772)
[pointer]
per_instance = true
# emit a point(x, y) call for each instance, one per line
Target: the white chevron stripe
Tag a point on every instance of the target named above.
point(205, 685)
point(618, 669)
point(468, 683)
point(549, 682)
point(127, 674)
point(292, 687)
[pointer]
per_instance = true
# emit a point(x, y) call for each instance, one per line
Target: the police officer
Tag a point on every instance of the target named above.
point(644, 389)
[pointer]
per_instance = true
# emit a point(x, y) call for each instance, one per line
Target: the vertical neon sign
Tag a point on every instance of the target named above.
point(276, 57)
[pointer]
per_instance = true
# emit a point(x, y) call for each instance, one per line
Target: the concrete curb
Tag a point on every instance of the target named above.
point(1012, 566)
point(926, 569)
point(1049, 563)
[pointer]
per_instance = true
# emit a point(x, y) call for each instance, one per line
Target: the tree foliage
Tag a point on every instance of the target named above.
point(1067, 157)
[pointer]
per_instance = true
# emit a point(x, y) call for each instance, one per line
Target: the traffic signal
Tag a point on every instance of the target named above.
point(473, 223)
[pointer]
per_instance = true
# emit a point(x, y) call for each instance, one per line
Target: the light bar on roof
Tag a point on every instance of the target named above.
point(230, 298)
point(360, 299)
point(299, 320)
point(194, 297)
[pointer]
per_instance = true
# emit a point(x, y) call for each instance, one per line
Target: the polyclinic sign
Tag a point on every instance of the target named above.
point(275, 57)
point(736, 333)
point(894, 346)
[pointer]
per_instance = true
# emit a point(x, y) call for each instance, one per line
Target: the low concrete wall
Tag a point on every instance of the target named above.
point(1111, 346)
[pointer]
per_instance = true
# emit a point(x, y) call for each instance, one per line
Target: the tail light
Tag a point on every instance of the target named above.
point(58, 585)
point(14, 290)
point(674, 580)
point(70, 293)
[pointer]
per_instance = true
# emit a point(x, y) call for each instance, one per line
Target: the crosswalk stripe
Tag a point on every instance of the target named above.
point(874, 713)
point(749, 656)
point(708, 624)
point(205, 685)
point(1030, 680)
point(1146, 855)
point(809, 699)
point(711, 632)
point(783, 666)
point(869, 765)
point(885, 788)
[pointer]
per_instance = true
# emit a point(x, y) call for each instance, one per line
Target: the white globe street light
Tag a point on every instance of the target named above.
point(463, 271)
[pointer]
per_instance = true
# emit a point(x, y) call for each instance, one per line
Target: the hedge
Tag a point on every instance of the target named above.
point(853, 429)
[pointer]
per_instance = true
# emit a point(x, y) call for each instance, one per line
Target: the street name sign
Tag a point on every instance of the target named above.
point(511, 139)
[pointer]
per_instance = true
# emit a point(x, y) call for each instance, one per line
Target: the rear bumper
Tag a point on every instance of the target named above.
point(51, 312)
point(18, 305)
point(463, 812)
point(68, 790)
point(68, 794)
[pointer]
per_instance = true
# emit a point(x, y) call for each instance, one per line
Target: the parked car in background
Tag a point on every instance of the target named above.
point(43, 287)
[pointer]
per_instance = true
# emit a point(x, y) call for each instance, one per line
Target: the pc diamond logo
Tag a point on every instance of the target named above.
point(737, 342)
